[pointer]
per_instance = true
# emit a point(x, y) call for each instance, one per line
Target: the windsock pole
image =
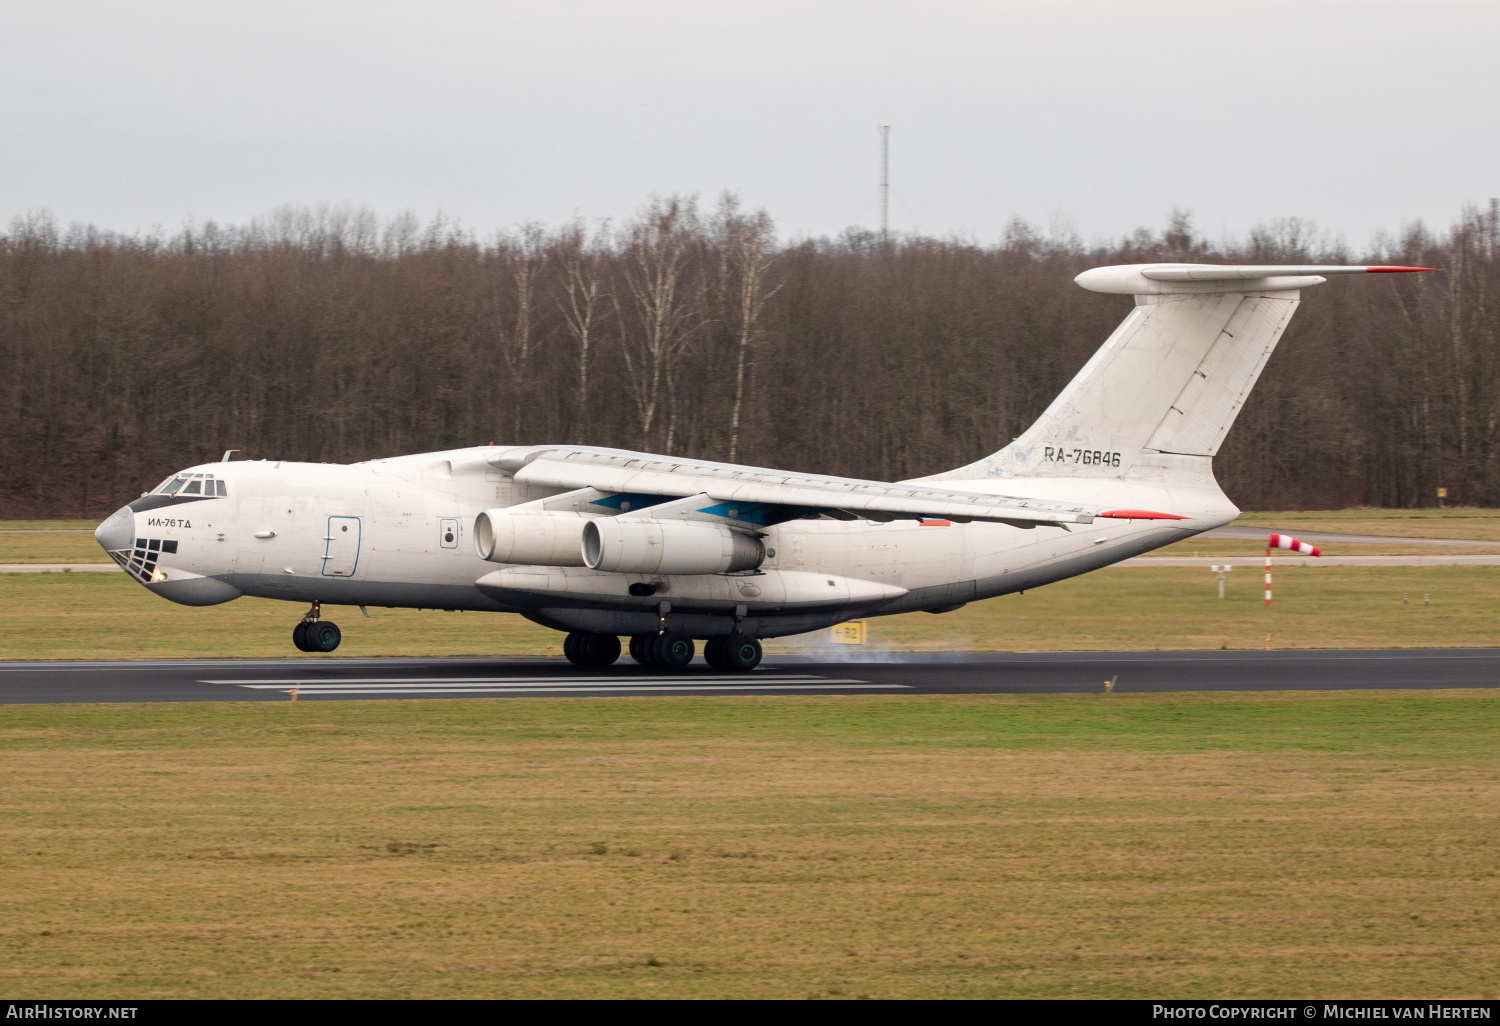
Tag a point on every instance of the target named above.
point(1285, 541)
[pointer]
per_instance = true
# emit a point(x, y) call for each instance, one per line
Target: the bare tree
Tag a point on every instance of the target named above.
point(657, 265)
point(583, 303)
point(524, 255)
point(329, 334)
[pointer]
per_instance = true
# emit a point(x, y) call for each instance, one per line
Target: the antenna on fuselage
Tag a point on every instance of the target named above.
point(227, 454)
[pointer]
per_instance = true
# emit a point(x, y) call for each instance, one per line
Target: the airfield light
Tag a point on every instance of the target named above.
point(1219, 572)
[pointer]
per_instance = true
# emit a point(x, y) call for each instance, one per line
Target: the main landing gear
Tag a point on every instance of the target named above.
point(734, 654)
point(667, 650)
point(585, 649)
point(314, 634)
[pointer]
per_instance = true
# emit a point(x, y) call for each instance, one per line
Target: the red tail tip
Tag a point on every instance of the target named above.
point(1396, 270)
point(1138, 514)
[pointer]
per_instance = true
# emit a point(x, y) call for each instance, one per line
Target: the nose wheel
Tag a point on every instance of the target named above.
point(315, 635)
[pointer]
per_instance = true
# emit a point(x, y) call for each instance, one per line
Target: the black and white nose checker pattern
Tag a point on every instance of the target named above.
point(141, 561)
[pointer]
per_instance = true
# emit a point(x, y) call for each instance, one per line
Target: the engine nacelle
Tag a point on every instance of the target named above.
point(629, 546)
point(531, 539)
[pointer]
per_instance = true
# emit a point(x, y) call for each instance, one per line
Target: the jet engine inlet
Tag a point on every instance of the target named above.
point(530, 539)
point(625, 546)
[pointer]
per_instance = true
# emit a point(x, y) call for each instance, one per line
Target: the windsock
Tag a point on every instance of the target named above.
point(1286, 541)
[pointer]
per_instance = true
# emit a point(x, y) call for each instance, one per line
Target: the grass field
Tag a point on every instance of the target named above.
point(1187, 845)
point(109, 616)
point(1339, 845)
point(50, 548)
point(1248, 550)
point(1464, 522)
point(1461, 524)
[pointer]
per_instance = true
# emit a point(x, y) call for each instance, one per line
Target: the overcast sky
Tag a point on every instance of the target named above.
point(1099, 116)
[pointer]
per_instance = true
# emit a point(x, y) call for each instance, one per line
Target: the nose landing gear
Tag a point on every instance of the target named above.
point(314, 634)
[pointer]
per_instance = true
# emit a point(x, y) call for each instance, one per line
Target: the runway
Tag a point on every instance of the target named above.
point(916, 674)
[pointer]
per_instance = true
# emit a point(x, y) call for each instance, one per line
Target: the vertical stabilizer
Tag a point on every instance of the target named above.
point(1159, 396)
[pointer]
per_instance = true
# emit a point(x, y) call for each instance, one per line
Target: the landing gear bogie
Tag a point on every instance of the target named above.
point(672, 651)
point(666, 651)
point(641, 649)
point(586, 649)
point(734, 654)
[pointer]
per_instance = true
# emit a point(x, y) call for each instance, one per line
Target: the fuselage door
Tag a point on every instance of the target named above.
point(448, 532)
point(341, 547)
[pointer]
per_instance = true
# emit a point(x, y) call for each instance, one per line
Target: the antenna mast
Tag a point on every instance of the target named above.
point(885, 182)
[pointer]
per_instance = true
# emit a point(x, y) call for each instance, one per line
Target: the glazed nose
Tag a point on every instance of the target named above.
point(118, 532)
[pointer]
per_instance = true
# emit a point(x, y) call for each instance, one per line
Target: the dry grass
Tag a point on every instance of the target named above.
point(50, 548)
point(1247, 549)
point(1338, 845)
point(1462, 523)
point(1178, 608)
point(109, 616)
point(48, 525)
point(1459, 524)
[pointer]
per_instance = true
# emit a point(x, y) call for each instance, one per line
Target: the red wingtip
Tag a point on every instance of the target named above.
point(1396, 270)
point(1139, 514)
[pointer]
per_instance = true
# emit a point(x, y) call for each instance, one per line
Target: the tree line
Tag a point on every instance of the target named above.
point(333, 335)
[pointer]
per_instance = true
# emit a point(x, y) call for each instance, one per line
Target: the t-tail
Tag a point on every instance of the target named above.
point(1155, 402)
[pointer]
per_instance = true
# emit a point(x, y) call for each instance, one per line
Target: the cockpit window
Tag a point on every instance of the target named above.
point(192, 484)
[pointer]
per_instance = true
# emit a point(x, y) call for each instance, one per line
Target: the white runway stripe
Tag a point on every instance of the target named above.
point(613, 684)
point(613, 679)
point(528, 689)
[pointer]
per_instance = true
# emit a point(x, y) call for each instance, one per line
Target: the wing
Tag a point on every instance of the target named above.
point(759, 496)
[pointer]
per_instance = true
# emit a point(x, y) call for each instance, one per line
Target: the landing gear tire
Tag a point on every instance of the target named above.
point(672, 651)
point(585, 649)
point(299, 636)
point(322, 635)
point(734, 654)
point(641, 646)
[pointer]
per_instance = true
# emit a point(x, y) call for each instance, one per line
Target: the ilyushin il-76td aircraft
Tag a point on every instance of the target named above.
point(603, 543)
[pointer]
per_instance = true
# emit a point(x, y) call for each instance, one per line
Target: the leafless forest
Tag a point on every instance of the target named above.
point(332, 335)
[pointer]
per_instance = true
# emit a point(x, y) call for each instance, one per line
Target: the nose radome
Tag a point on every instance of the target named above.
point(118, 532)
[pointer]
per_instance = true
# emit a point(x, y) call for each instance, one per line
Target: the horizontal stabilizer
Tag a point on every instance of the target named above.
point(1161, 279)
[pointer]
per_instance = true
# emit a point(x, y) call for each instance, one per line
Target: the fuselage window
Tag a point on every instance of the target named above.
point(223, 490)
point(171, 486)
point(193, 488)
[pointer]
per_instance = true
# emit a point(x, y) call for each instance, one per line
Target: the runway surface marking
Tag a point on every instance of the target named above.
point(550, 685)
point(612, 679)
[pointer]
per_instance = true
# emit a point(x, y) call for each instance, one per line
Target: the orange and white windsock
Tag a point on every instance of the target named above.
point(1286, 541)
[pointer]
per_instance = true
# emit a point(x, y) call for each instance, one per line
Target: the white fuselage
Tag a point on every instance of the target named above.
point(399, 532)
